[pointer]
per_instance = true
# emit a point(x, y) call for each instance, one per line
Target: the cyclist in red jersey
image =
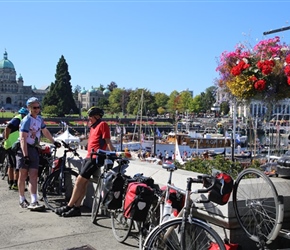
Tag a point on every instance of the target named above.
point(99, 138)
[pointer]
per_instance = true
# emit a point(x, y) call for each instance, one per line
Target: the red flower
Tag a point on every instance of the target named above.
point(287, 70)
point(260, 85)
point(239, 68)
point(253, 78)
point(266, 66)
point(287, 59)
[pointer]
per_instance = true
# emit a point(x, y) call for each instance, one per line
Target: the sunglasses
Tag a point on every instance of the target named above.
point(36, 107)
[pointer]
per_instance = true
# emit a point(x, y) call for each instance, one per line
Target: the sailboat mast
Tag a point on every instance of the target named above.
point(141, 111)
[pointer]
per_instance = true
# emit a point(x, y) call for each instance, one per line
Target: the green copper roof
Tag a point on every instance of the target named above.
point(5, 63)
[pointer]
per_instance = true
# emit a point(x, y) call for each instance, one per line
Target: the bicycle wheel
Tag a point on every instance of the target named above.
point(258, 208)
point(97, 200)
point(121, 226)
point(198, 235)
point(4, 167)
point(54, 194)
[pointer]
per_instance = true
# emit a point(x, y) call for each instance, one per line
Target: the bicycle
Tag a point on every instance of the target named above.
point(58, 186)
point(186, 232)
point(258, 207)
point(103, 179)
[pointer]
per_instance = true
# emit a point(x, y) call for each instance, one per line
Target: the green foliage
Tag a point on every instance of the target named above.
point(50, 110)
point(203, 166)
point(224, 108)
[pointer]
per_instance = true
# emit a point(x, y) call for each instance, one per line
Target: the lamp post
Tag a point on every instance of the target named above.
point(234, 130)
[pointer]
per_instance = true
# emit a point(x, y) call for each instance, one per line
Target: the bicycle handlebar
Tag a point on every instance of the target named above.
point(68, 149)
point(108, 154)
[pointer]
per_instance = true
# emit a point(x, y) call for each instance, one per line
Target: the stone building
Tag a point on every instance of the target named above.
point(91, 97)
point(13, 91)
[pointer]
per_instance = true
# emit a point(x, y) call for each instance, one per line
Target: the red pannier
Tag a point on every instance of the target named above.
point(223, 186)
point(228, 246)
point(138, 199)
point(177, 199)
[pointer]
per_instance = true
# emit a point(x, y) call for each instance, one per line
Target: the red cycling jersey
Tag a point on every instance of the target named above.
point(97, 137)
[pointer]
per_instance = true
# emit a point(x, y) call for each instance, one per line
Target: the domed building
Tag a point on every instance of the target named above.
point(13, 92)
point(89, 98)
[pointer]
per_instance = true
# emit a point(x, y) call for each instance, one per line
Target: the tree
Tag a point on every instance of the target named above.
point(173, 101)
point(112, 86)
point(161, 100)
point(115, 100)
point(195, 105)
point(224, 108)
point(185, 102)
point(134, 104)
point(60, 92)
point(207, 99)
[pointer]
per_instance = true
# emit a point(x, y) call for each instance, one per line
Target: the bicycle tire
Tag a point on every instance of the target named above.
point(97, 199)
point(121, 226)
point(4, 167)
point(258, 208)
point(199, 236)
point(52, 195)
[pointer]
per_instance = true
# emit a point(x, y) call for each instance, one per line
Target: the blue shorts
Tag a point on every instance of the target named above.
point(33, 157)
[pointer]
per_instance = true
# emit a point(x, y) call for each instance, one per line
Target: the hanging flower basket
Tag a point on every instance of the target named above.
point(261, 73)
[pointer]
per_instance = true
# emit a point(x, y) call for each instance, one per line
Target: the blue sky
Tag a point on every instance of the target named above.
point(158, 45)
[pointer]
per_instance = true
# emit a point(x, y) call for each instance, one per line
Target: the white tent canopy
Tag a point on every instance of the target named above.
point(67, 137)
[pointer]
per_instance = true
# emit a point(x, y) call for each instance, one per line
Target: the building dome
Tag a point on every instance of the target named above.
point(106, 92)
point(92, 90)
point(5, 63)
point(83, 91)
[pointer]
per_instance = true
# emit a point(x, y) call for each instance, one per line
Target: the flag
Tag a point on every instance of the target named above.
point(118, 129)
point(124, 130)
point(158, 132)
point(238, 139)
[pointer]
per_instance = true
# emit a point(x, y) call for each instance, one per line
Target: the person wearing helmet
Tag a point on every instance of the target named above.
point(27, 157)
point(11, 134)
point(99, 138)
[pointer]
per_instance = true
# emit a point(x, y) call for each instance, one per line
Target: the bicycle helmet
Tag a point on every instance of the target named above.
point(31, 100)
point(23, 111)
point(95, 111)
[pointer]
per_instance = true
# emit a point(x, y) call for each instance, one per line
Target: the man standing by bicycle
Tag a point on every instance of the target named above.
point(11, 134)
point(27, 156)
point(100, 138)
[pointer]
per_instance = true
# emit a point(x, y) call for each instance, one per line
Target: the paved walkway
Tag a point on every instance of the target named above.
point(23, 229)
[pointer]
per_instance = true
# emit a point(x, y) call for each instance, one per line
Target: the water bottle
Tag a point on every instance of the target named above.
point(167, 210)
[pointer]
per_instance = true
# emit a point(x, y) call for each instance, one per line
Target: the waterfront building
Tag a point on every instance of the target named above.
point(256, 108)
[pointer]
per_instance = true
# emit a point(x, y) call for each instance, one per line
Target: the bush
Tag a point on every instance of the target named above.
point(223, 164)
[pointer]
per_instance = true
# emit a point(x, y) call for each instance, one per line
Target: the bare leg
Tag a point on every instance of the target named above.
point(33, 175)
point(79, 191)
point(23, 173)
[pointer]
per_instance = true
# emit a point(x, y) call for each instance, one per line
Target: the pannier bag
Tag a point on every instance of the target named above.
point(113, 190)
point(223, 186)
point(138, 199)
point(177, 199)
point(228, 246)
